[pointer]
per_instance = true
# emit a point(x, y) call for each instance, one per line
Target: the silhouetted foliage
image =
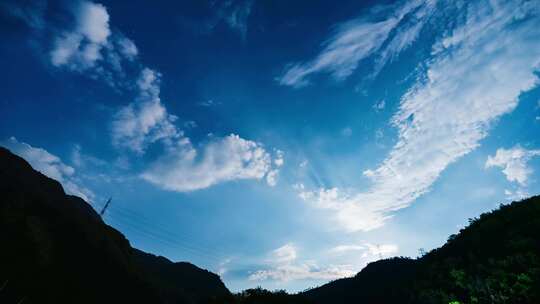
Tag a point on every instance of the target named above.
point(496, 259)
point(263, 296)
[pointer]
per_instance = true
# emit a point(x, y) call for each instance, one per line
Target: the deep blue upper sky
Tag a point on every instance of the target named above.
point(279, 144)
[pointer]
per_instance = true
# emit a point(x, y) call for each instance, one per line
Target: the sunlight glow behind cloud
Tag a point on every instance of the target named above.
point(285, 266)
point(476, 75)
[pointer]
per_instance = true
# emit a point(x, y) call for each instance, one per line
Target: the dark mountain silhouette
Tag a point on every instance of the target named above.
point(56, 249)
point(181, 280)
point(382, 281)
point(496, 259)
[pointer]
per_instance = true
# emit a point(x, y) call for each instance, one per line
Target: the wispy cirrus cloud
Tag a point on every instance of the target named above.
point(236, 14)
point(476, 75)
point(360, 38)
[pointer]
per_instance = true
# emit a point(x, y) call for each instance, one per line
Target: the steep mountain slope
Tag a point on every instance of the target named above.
point(56, 249)
point(181, 279)
point(496, 259)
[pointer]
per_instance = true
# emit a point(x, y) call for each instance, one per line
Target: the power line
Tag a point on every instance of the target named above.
point(171, 243)
point(146, 228)
point(142, 221)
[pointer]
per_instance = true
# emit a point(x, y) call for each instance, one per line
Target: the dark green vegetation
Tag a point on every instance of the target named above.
point(262, 296)
point(496, 259)
point(56, 249)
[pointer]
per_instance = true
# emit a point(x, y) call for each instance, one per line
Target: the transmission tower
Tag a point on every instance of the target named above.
point(102, 212)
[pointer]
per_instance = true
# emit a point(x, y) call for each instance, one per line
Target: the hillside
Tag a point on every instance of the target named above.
point(496, 259)
point(56, 249)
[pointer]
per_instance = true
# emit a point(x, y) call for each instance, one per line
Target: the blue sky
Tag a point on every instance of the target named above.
point(280, 145)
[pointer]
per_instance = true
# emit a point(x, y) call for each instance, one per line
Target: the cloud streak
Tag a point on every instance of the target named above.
point(476, 74)
point(360, 38)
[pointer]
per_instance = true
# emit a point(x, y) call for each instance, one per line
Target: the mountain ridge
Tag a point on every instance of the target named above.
point(495, 259)
point(61, 251)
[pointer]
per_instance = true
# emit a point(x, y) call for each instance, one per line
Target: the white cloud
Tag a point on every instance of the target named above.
point(90, 46)
point(185, 168)
point(146, 120)
point(93, 22)
point(209, 103)
point(406, 33)
point(284, 254)
point(346, 132)
point(279, 160)
point(383, 250)
point(307, 270)
point(370, 252)
point(516, 195)
point(235, 14)
point(284, 266)
point(81, 160)
point(237, 19)
point(360, 38)
point(82, 39)
point(222, 267)
point(477, 74)
point(514, 163)
point(379, 106)
point(50, 165)
point(347, 248)
point(81, 48)
point(190, 124)
point(271, 178)
point(127, 47)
